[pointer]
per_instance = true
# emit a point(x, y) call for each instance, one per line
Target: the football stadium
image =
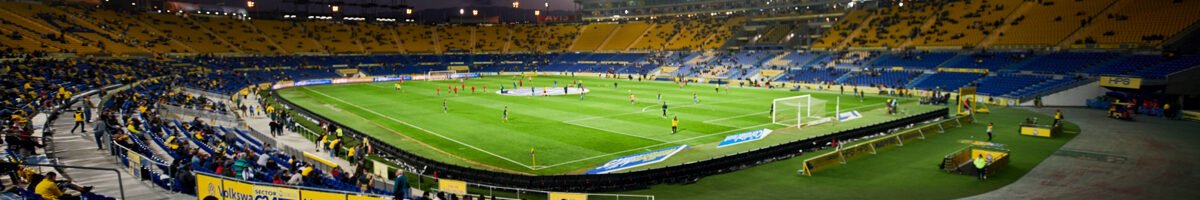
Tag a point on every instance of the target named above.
point(599, 99)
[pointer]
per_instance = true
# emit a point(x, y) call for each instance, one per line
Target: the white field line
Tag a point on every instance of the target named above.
point(640, 148)
point(422, 129)
point(612, 131)
point(676, 141)
point(644, 110)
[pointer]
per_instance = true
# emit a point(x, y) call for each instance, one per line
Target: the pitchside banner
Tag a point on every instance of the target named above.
point(223, 189)
point(846, 116)
point(636, 160)
point(452, 186)
point(286, 84)
point(567, 196)
point(822, 161)
point(886, 142)
point(744, 137)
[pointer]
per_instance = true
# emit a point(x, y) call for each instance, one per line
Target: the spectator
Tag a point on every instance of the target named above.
point(400, 186)
point(48, 188)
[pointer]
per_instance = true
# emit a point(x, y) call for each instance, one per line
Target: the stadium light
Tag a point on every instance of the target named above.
point(335, 8)
point(516, 4)
point(537, 13)
point(408, 11)
point(474, 12)
point(249, 4)
point(461, 11)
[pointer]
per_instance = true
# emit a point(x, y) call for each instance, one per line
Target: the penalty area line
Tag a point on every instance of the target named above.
point(422, 129)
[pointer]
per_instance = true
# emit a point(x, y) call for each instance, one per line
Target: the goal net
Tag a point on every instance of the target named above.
point(440, 75)
point(798, 111)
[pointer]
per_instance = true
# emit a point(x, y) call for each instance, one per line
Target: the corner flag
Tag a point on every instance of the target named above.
point(533, 157)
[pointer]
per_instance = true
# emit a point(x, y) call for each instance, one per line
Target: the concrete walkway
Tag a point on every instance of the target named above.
point(79, 149)
point(1151, 158)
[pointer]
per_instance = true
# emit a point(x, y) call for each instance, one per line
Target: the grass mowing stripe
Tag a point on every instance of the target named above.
point(422, 129)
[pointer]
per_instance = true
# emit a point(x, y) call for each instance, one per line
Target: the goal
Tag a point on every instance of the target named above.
point(798, 110)
point(440, 75)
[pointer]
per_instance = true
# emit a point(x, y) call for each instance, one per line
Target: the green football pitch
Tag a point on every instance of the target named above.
point(567, 134)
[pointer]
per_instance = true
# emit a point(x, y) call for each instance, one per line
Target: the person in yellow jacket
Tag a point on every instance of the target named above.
point(333, 147)
point(49, 189)
point(132, 129)
point(79, 121)
point(979, 167)
point(674, 125)
point(171, 143)
point(324, 139)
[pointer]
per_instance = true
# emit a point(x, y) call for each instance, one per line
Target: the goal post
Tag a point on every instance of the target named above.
point(797, 110)
point(440, 75)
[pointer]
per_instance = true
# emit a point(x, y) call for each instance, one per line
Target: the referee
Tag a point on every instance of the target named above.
point(664, 108)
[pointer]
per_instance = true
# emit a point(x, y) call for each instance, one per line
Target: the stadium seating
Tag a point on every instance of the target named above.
point(775, 34)
point(842, 29)
point(491, 38)
point(625, 35)
point(1003, 84)
point(1124, 64)
point(966, 23)
point(374, 38)
point(558, 37)
point(657, 37)
point(946, 81)
point(1051, 22)
point(526, 37)
point(1146, 23)
point(815, 75)
point(724, 31)
point(592, 36)
point(289, 35)
point(1167, 67)
point(1062, 63)
point(130, 31)
point(912, 60)
point(186, 31)
point(40, 35)
point(885, 78)
point(239, 33)
point(415, 38)
point(894, 25)
point(455, 38)
point(984, 60)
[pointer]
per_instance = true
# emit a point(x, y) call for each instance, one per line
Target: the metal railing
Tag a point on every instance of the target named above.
point(120, 181)
point(198, 113)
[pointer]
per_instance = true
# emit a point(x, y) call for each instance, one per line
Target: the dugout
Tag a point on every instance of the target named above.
point(960, 162)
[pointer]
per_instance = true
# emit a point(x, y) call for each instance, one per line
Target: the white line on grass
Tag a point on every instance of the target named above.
point(617, 132)
point(419, 128)
point(640, 148)
point(644, 110)
point(686, 139)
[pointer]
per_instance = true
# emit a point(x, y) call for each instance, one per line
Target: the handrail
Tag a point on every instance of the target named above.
point(120, 182)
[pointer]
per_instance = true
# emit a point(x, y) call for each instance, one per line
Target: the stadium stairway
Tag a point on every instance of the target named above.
point(843, 78)
point(919, 78)
point(79, 149)
point(298, 142)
